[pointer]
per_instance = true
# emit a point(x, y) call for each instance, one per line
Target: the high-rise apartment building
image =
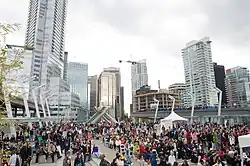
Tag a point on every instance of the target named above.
point(46, 35)
point(93, 90)
point(139, 77)
point(219, 72)
point(238, 87)
point(109, 84)
point(199, 73)
point(78, 81)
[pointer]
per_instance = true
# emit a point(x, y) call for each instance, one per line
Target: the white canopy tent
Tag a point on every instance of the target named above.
point(174, 117)
point(244, 141)
point(168, 121)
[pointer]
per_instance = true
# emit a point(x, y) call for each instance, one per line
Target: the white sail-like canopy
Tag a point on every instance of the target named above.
point(174, 117)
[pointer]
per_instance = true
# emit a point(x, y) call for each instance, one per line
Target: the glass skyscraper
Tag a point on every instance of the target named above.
point(78, 81)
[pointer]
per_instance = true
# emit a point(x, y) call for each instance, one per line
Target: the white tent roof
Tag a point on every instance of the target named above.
point(174, 117)
point(244, 141)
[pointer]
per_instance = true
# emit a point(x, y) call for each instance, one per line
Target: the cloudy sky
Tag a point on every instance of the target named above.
point(100, 32)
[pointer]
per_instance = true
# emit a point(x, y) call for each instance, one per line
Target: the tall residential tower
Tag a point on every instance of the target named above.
point(238, 87)
point(46, 35)
point(139, 77)
point(199, 73)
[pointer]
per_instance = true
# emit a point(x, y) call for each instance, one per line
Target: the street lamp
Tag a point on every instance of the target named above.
point(220, 101)
point(36, 104)
point(172, 98)
point(47, 103)
point(193, 104)
point(157, 107)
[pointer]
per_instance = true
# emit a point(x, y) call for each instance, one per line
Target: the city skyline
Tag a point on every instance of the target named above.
point(116, 42)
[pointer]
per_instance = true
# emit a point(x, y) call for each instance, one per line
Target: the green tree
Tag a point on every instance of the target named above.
point(9, 64)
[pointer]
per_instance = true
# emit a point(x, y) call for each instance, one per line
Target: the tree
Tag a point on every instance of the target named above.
point(10, 63)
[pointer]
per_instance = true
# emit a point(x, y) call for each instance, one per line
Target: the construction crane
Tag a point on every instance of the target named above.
point(128, 61)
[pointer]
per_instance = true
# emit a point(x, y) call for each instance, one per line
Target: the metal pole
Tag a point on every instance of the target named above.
point(44, 112)
point(36, 105)
point(47, 105)
point(58, 108)
point(219, 105)
point(26, 106)
point(156, 111)
point(193, 104)
point(171, 97)
point(219, 109)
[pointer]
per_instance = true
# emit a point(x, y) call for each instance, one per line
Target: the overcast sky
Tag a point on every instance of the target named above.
point(100, 32)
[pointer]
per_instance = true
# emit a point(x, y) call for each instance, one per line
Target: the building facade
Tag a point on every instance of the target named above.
point(144, 99)
point(238, 87)
point(62, 102)
point(199, 73)
point(45, 33)
point(78, 81)
point(19, 78)
point(93, 93)
point(109, 84)
point(65, 66)
point(178, 88)
point(139, 76)
point(219, 72)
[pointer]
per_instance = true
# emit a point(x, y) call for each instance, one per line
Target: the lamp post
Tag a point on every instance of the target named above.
point(193, 104)
point(36, 104)
point(157, 107)
point(172, 98)
point(47, 104)
point(220, 101)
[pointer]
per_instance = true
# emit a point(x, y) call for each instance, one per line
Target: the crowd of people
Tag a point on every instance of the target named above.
point(39, 145)
point(133, 143)
point(208, 144)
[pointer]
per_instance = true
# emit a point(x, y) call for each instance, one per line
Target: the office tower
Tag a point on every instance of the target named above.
point(109, 84)
point(238, 87)
point(46, 35)
point(93, 90)
point(78, 81)
point(179, 89)
point(139, 77)
point(122, 102)
point(65, 66)
point(219, 72)
point(199, 73)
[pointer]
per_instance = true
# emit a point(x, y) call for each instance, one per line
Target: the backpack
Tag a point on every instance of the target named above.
point(17, 161)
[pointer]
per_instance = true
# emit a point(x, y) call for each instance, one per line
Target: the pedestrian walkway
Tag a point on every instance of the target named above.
point(110, 153)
